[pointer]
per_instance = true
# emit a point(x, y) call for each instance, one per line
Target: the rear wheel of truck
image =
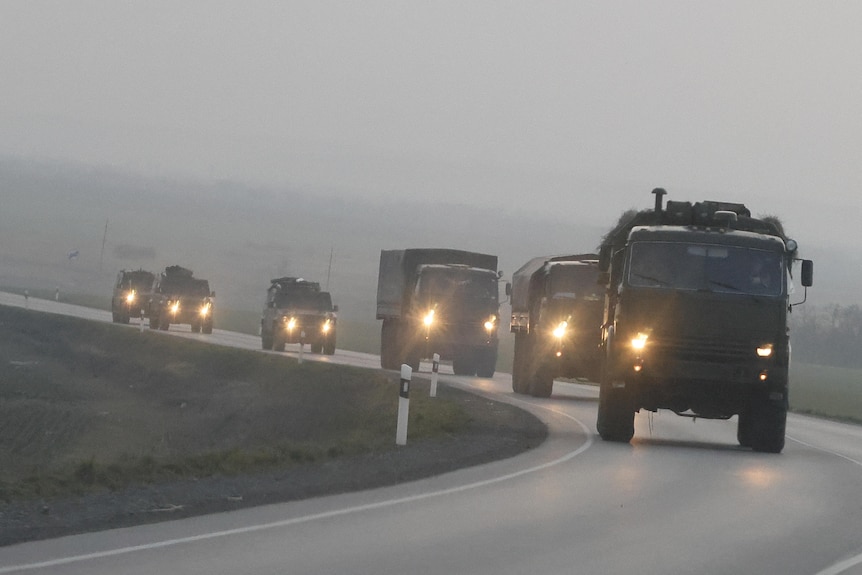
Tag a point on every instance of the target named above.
point(154, 322)
point(207, 327)
point(316, 347)
point(389, 344)
point(767, 424)
point(616, 414)
point(265, 341)
point(196, 328)
point(164, 324)
point(278, 342)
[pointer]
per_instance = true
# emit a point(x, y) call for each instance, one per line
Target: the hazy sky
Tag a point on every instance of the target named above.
point(551, 106)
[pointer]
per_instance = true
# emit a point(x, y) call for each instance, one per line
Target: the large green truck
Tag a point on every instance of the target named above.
point(557, 307)
point(441, 301)
point(696, 318)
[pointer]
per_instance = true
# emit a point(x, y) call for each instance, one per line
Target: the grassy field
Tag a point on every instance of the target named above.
point(832, 392)
point(86, 405)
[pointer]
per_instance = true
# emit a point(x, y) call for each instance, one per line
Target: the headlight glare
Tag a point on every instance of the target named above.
point(560, 330)
point(639, 341)
point(764, 350)
point(429, 318)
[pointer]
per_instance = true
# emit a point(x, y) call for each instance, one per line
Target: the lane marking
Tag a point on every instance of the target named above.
point(318, 516)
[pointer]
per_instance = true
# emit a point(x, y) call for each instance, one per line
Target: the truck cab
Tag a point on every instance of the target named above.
point(297, 311)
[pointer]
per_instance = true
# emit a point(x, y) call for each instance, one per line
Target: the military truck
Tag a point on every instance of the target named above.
point(179, 297)
point(132, 292)
point(557, 307)
point(442, 301)
point(695, 321)
point(295, 306)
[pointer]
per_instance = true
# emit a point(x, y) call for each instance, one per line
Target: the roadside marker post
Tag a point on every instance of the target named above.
point(141, 324)
point(301, 345)
point(403, 405)
point(435, 368)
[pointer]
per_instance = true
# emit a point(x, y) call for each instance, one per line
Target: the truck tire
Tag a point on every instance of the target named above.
point(124, 318)
point(316, 346)
point(389, 344)
point(486, 361)
point(519, 361)
point(464, 363)
point(278, 342)
point(743, 429)
point(154, 322)
point(164, 324)
point(767, 424)
point(196, 328)
point(542, 382)
point(412, 358)
point(616, 414)
point(207, 327)
point(329, 345)
point(265, 341)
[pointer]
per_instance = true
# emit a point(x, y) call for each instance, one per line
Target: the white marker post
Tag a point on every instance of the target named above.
point(435, 368)
point(301, 345)
point(141, 324)
point(403, 405)
point(26, 299)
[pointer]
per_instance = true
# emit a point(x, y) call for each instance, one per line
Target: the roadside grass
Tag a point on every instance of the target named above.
point(87, 406)
point(825, 391)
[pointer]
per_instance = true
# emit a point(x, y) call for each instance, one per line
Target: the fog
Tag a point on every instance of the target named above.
point(513, 128)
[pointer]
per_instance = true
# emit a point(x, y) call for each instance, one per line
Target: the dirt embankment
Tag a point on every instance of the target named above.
point(102, 426)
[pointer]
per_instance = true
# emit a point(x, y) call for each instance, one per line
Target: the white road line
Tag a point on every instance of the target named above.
point(314, 517)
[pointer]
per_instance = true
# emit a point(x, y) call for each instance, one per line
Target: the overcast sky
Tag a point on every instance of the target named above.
point(547, 106)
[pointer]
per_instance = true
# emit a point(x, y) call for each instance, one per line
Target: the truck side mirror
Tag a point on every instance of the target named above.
point(508, 289)
point(335, 308)
point(807, 273)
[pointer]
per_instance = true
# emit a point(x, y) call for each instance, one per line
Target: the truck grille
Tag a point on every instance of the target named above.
point(702, 349)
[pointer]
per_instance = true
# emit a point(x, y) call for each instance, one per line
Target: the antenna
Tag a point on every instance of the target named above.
point(329, 269)
point(104, 239)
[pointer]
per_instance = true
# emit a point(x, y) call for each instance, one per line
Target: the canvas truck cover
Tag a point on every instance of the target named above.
point(398, 271)
point(521, 278)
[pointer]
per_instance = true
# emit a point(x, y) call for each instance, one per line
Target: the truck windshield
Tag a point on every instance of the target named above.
point(457, 284)
point(302, 300)
point(575, 282)
point(710, 267)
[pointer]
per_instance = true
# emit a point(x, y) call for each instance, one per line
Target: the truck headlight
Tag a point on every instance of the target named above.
point(175, 307)
point(560, 330)
point(639, 341)
point(429, 318)
point(130, 297)
point(764, 350)
point(327, 325)
point(291, 323)
point(205, 310)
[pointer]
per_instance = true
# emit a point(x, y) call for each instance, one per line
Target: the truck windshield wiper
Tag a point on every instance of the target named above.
point(725, 285)
point(652, 279)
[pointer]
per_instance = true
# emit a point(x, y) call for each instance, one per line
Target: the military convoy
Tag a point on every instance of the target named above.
point(132, 292)
point(557, 307)
point(297, 311)
point(439, 301)
point(180, 298)
point(685, 308)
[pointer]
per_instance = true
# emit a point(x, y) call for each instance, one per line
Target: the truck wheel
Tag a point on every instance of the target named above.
point(616, 415)
point(519, 360)
point(486, 362)
point(207, 327)
point(464, 364)
point(278, 342)
point(542, 383)
point(389, 344)
point(412, 359)
point(124, 318)
point(316, 347)
point(154, 322)
point(767, 424)
point(164, 324)
point(329, 346)
point(196, 328)
point(265, 341)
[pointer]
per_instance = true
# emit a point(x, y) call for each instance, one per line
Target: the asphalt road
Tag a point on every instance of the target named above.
point(682, 498)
